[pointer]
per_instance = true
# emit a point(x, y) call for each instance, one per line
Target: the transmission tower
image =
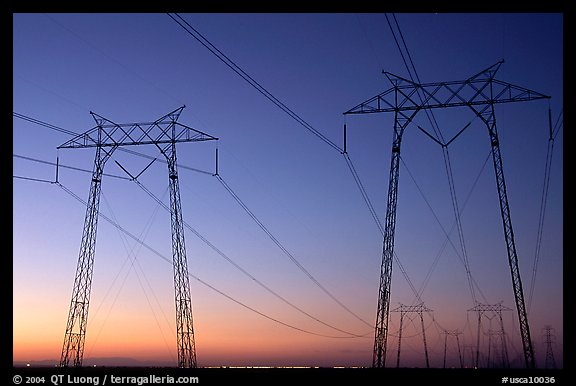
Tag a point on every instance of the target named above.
point(502, 350)
point(106, 137)
point(480, 93)
point(549, 339)
point(456, 334)
point(418, 309)
point(493, 310)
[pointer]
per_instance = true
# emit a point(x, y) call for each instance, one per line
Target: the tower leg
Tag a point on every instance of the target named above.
point(400, 338)
point(505, 360)
point(478, 339)
point(550, 362)
point(445, 344)
point(459, 352)
point(184, 325)
point(381, 330)
point(489, 118)
point(424, 340)
point(73, 347)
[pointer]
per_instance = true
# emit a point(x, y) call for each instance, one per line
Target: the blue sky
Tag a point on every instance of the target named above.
point(138, 67)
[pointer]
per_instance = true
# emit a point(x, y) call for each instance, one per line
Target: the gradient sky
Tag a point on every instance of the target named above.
point(138, 67)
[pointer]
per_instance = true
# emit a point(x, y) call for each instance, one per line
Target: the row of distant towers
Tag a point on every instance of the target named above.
point(496, 350)
point(479, 93)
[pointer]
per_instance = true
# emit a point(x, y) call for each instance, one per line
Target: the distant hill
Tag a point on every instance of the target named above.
point(88, 362)
point(44, 363)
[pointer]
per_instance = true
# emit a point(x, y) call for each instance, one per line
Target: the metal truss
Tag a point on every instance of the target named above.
point(107, 136)
point(480, 93)
point(418, 309)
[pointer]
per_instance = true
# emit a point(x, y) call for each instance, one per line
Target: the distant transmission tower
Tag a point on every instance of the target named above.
point(500, 352)
point(106, 137)
point(490, 311)
point(405, 99)
point(549, 339)
point(418, 309)
point(455, 333)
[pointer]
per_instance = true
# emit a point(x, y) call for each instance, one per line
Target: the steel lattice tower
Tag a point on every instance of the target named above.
point(494, 310)
point(106, 137)
point(418, 309)
point(549, 339)
point(405, 99)
point(493, 346)
point(455, 333)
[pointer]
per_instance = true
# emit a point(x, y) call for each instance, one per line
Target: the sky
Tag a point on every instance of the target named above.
point(138, 67)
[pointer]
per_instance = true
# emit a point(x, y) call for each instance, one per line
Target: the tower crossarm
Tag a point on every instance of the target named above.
point(164, 130)
point(498, 307)
point(418, 308)
point(480, 89)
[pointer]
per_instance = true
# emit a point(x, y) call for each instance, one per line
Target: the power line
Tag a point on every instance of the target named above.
point(448, 166)
point(412, 72)
point(286, 252)
point(357, 179)
point(234, 67)
point(207, 44)
point(398, 45)
point(119, 227)
point(65, 166)
point(48, 125)
point(558, 125)
point(366, 198)
point(446, 155)
point(132, 258)
point(543, 201)
point(220, 55)
point(201, 237)
point(129, 151)
point(376, 218)
point(447, 234)
point(237, 266)
point(32, 179)
point(363, 192)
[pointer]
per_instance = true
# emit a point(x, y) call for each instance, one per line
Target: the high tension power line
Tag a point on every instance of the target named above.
point(234, 67)
point(195, 277)
point(480, 93)
point(205, 240)
point(438, 138)
point(87, 140)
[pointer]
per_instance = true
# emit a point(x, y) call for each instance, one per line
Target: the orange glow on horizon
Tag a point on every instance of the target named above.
point(263, 343)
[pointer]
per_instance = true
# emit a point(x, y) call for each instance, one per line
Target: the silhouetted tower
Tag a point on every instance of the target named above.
point(106, 137)
point(549, 339)
point(456, 334)
point(491, 311)
point(499, 351)
point(405, 99)
point(418, 309)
